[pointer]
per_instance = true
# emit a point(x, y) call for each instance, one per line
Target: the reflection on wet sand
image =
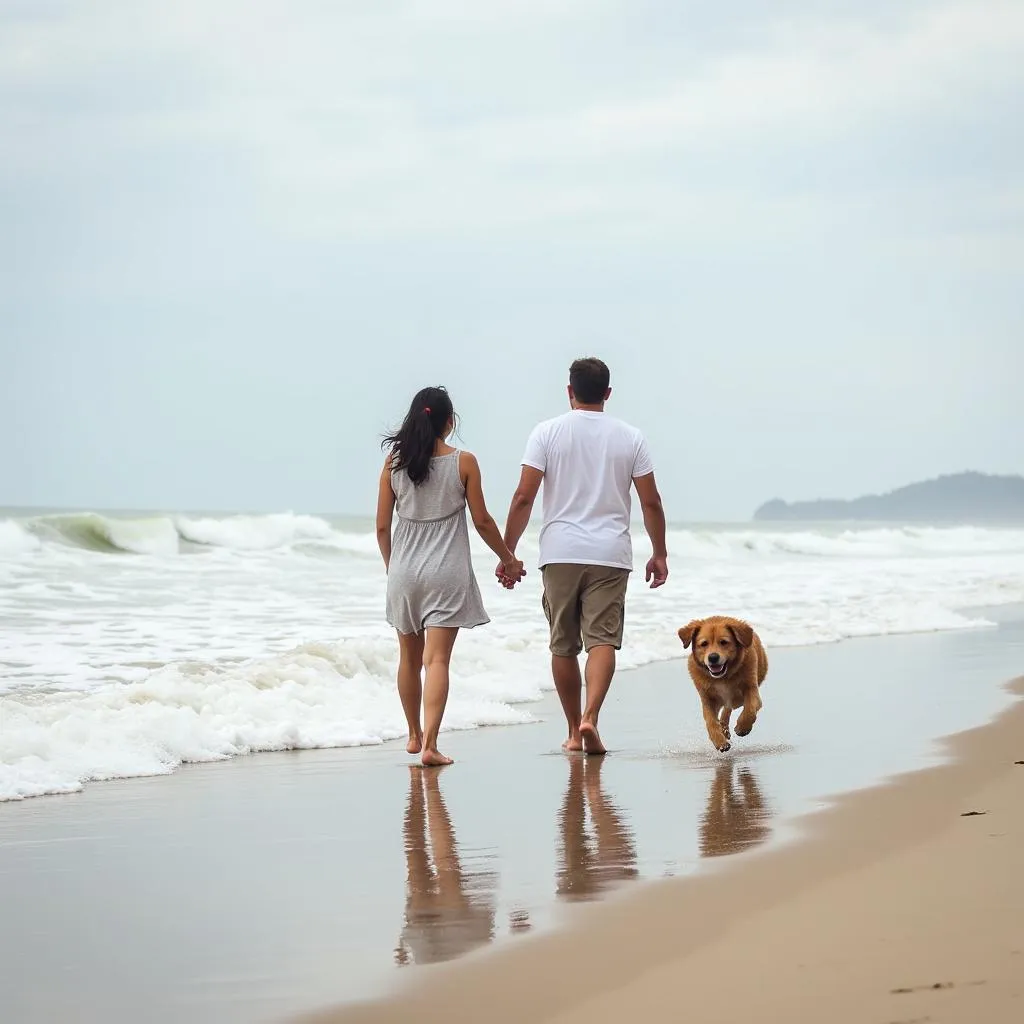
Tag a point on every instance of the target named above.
point(448, 910)
point(596, 858)
point(737, 816)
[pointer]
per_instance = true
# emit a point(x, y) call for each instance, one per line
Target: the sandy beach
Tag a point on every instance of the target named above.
point(901, 904)
point(347, 884)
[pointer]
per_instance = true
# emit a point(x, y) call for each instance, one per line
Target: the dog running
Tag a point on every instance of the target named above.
point(727, 664)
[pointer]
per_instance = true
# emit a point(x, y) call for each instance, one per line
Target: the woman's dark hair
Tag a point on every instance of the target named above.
point(412, 445)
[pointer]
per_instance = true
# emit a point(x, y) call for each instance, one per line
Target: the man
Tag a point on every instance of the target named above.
point(587, 462)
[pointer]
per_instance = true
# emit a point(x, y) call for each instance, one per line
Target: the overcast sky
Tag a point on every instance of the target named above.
point(236, 236)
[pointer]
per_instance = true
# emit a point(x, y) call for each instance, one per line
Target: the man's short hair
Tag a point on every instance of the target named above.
point(589, 379)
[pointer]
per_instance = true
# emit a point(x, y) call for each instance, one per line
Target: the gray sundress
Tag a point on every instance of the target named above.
point(430, 577)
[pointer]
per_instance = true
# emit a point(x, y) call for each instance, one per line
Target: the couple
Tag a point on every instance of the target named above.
point(587, 462)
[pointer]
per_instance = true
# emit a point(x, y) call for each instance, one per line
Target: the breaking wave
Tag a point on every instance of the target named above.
point(167, 535)
point(171, 535)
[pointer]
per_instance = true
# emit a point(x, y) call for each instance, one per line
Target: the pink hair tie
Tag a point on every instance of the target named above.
point(426, 409)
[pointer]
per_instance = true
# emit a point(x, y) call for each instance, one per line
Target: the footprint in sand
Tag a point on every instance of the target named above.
point(932, 988)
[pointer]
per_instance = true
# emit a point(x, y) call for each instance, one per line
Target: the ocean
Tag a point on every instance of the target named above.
point(133, 643)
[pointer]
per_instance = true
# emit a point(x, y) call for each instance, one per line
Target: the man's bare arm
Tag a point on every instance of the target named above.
point(521, 506)
point(654, 523)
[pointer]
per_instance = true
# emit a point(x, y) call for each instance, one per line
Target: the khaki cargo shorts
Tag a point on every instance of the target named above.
point(584, 605)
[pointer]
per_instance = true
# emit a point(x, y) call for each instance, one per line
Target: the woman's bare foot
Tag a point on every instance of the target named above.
point(591, 739)
point(574, 744)
point(415, 744)
point(435, 759)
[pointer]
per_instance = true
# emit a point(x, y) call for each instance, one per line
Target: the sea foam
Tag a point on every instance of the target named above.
point(131, 645)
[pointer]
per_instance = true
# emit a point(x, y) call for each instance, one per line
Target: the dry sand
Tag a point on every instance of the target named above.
point(899, 905)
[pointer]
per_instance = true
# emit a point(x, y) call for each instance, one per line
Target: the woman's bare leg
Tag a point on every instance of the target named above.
point(410, 686)
point(437, 653)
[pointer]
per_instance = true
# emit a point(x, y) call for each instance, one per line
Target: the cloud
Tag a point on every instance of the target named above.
point(393, 122)
point(380, 127)
point(327, 86)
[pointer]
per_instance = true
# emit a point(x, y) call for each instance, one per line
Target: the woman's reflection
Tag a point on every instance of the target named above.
point(737, 815)
point(596, 858)
point(448, 911)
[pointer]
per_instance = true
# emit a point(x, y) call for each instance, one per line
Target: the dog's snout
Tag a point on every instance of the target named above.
point(714, 658)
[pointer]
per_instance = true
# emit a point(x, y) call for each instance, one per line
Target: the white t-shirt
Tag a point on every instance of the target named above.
point(589, 460)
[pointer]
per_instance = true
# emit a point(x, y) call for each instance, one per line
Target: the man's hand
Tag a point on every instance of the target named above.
point(510, 573)
point(657, 571)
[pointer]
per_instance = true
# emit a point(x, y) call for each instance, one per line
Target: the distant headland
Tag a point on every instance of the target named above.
point(956, 498)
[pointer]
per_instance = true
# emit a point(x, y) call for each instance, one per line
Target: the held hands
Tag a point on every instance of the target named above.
point(510, 572)
point(657, 571)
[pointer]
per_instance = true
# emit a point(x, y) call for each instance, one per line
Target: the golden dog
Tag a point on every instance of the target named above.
point(727, 665)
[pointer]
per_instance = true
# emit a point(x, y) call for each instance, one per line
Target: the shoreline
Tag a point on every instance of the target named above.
point(267, 886)
point(538, 708)
point(878, 906)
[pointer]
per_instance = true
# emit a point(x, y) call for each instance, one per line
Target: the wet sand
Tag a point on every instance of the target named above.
point(273, 885)
point(903, 904)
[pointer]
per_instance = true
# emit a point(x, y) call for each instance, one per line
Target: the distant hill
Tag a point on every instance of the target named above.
point(957, 498)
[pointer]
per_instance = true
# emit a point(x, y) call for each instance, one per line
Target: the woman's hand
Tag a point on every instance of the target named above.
point(509, 572)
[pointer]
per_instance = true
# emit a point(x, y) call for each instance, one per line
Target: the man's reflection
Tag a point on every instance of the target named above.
point(596, 858)
point(447, 911)
point(737, 815)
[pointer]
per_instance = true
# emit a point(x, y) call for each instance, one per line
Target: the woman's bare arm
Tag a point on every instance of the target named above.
point(385, 512)
point(469, 470)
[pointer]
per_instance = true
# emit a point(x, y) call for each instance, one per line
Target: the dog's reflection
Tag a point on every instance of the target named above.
point(737, 814)
point(448, 911)
point(592, 859)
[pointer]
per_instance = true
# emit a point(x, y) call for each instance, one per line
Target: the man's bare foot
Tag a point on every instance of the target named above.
point(574, 744)
point(591, 739)
point(415, 744)
point(435, 759)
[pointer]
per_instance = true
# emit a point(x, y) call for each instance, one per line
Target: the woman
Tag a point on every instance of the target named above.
point(432, 589)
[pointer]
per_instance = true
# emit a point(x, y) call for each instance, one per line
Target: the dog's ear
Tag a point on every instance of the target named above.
point(689, 632)
point(743, 634)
